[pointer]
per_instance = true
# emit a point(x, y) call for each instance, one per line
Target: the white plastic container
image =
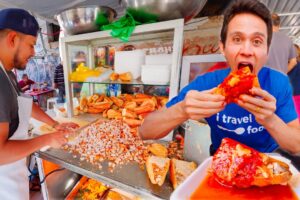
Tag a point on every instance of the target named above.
point(155, 74)
point(196, 141)
point(61, 110)
point(129, 61)
point(159, 59)
point(187, 188)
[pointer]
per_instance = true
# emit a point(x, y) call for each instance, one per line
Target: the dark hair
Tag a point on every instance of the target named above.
point(275, 19)
point(24, 75)
point(247, 6)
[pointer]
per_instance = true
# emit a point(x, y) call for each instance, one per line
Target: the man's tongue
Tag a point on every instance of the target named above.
point(242, 65)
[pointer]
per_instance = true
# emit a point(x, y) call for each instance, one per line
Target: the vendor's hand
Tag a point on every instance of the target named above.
point(197, 105)
point(67, 126)
point(57, 139)
point(262, 106)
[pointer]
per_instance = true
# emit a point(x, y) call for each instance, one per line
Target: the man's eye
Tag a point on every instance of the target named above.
point(237, 39)
point(257, 42)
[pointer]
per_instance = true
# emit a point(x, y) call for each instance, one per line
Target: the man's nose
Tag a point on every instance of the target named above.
point(33, 53)
point(246, 49)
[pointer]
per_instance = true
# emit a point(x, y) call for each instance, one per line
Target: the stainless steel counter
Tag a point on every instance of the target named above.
point(127, 177)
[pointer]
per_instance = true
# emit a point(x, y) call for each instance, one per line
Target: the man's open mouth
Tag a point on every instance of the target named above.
point(245, 64)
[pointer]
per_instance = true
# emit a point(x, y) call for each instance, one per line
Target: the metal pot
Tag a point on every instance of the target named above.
point(83, 19)
point(168, 9)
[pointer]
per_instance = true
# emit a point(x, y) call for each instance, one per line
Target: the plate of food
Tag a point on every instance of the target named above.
point(237, 171)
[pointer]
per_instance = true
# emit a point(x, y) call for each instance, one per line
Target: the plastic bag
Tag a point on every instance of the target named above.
point(124, 27)
point(83, 72)
point(101, 19)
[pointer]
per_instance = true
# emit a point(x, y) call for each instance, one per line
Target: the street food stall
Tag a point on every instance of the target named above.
point(115, 85)
point(114, 100)
point(95, 106)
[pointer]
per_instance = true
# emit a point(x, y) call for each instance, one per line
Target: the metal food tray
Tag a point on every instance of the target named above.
point(130, 177)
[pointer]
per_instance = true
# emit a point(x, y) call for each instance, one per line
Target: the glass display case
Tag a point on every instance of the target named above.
point(97, 49)
point(89, 49)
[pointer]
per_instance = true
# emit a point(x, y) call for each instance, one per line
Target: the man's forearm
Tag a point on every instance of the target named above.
point(39, 114)
point(287, 136)
point(159, 123)
point(24, 88)
point(292, 63)
point(14, 150)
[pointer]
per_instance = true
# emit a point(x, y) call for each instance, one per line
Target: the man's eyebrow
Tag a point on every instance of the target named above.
point(260, 34)
point(241, 33)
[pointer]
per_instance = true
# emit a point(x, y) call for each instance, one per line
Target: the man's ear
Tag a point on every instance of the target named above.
point(222, 47)
point(12, 39)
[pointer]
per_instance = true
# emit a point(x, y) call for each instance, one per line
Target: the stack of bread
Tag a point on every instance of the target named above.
point(125, 77)
point(158, 165)
point(131, 108)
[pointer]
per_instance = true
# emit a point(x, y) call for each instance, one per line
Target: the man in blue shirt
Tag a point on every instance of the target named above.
point(263, 121)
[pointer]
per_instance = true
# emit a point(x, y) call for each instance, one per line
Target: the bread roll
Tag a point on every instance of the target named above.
point(157, 169)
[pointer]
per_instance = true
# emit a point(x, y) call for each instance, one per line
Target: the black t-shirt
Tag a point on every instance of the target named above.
point(8, 102)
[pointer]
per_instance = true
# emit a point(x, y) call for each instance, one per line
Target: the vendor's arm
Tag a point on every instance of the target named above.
point(39, 114)
point(287, 135)
point(196, 105)
point(13, 150)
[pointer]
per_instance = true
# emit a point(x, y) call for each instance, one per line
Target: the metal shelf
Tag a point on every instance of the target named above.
point(127, 177)
point(133, 82)
point(130, 177)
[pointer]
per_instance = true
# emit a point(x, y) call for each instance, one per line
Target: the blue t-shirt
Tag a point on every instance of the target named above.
point(237, 123)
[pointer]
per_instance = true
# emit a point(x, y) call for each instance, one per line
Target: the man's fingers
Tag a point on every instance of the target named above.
point(67, 126)
point(204, 104)
point(250, 107)
point(205, 95)
point(263, 94)
point(193, 112)
point(210, 91)
point(256, 109)
point(259, 102)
